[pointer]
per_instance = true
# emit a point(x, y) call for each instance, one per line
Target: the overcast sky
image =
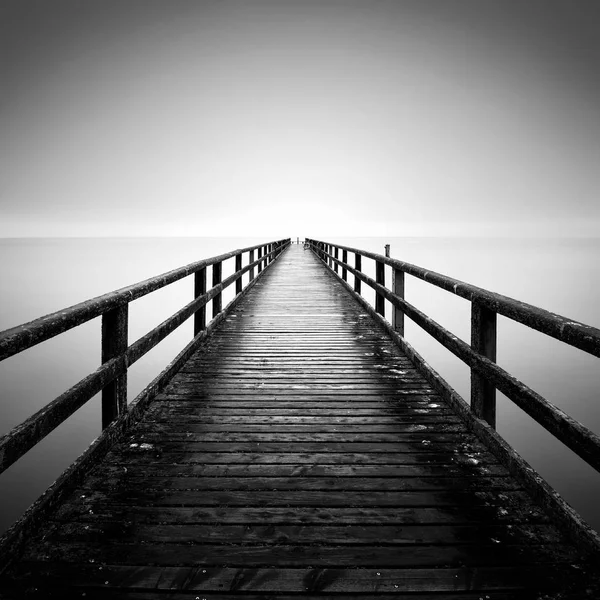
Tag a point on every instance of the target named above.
point(399, 117)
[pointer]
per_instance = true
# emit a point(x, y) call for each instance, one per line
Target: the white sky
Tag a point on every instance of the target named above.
point(288, 118)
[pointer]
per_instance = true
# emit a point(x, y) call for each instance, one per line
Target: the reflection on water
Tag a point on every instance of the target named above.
point(40, 276)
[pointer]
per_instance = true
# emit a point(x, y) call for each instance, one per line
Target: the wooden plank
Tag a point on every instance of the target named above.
point(371, 581)
point(226, 447)
point(356, 535)
point(480, 510)
point(324, 555)
point(269, 436)
point(441, 454)
point(435, 468)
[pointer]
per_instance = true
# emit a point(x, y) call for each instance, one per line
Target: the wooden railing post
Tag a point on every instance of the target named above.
point(114, 343)
point(251, 260)
point(329, 259)
point(483, 341)
point(260, 253)
point(199, 290)
point(358, 267)
point(216, 279)
point(238, 268)
point(379, 278)
point(335, 265)
point(398, 289)
point(345, 261)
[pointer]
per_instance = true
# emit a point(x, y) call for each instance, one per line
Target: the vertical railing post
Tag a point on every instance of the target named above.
point(114, 343)
point(199, 290)
point(398, 289)
point(329, 258)
point(335, 265)
point(259, 257)
point(345, 261)
point(379, 278)
point(238, 268)
point(268, 251)
point(483, 341)
point(250, 261)
point(358, 267)
point(216, 279)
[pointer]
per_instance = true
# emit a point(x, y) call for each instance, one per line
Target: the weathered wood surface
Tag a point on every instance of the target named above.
point(299, 452)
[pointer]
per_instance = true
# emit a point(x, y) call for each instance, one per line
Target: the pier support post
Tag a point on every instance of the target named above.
point(380, 278)
point(345, 261)
point(358, 267)
point(251, 260)
point(114, 343)
point(238, 268)
point(199, 290)
point(398, 289)
point(335, 265)
point(483, 341)
point(216, 279)
point(260, 253)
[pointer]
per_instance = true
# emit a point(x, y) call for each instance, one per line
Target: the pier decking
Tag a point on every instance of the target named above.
point(299, 451)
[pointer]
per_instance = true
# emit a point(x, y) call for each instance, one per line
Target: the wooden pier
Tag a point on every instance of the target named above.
point(296, 450)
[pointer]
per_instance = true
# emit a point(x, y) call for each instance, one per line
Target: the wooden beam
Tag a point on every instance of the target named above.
point(380, 278)
point(114, 344)
point(216, 279)
point(238, 268)
point(358, 267)
point(199, 290)
point(398, 289)
point(483, 341)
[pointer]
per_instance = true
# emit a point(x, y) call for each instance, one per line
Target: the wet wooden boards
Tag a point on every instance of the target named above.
point(298, 452)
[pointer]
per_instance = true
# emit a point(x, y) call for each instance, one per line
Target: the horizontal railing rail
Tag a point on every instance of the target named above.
point(480, 355)
point(117, 355)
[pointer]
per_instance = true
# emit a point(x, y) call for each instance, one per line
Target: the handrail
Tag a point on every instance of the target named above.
point(486, 375)
point(117, 354)
point(21, 337)
point(574, 333)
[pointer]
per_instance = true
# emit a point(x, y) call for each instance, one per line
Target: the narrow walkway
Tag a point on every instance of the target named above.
point(298, 452)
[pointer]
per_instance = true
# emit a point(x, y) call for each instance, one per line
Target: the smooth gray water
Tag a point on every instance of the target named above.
point(38, 276)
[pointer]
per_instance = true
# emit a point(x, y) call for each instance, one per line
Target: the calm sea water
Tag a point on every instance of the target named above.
point(38, 276)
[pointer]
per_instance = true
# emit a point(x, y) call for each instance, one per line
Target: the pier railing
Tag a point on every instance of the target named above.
point(117, 354)
point(480, 355)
